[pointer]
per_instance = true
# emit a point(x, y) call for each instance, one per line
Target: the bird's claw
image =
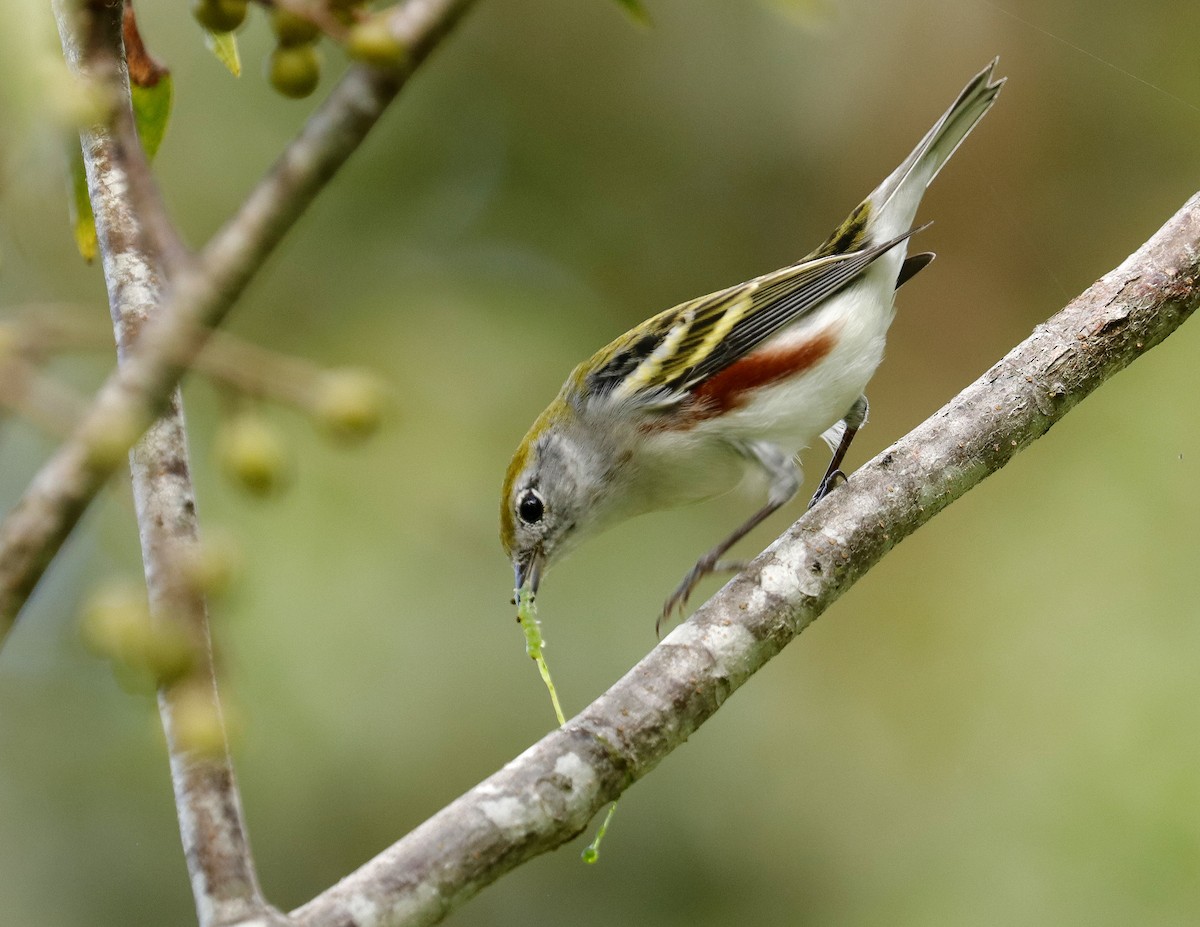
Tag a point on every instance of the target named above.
point(678, 599)
point(828, 485)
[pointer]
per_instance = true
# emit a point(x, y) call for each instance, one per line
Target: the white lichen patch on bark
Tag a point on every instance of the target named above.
point(410, 908)
point(833, 537)
point(364, 910)
point(726, 644)
point(510, 815)
point(785, 577)
point(579, 773)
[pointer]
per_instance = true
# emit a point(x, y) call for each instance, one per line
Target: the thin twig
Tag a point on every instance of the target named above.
point(548, 794)
point(39, 399)
point(214, 838)
point(200, 297)
point(40, 330)
point(258, 371)
point(45, 330)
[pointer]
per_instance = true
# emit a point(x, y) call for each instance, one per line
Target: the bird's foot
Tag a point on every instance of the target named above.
point(829, 484)
point(705, 566)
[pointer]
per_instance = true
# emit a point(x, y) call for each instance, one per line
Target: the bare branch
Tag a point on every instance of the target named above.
point(29, 393)
point(547, 795)
point(209, 806)
point(258, 371)
point(121, 190)
point(199, 298)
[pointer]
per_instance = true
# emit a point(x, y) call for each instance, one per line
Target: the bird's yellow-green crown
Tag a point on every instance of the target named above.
point(557, 410)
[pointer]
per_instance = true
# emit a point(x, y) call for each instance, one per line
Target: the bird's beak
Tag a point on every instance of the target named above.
point(527, 571)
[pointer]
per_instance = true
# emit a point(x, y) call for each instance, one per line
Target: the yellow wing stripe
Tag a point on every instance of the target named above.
point(734, 312)
point(647, 371)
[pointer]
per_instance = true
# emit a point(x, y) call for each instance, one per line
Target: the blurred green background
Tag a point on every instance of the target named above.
point(996, 726)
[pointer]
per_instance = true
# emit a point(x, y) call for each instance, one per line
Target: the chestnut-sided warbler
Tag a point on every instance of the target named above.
point(683, 406)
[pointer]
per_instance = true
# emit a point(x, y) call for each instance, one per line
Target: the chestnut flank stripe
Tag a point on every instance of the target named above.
point(730, 388)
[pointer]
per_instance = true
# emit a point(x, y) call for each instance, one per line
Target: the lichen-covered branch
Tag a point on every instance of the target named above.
point(547, 795)
point(200, 296)
point(120, 188)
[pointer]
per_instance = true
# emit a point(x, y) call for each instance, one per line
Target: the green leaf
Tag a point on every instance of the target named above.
point(83, 223)
point(224, 46)
point(636, 11)
point(151, 93)
point(149, 86)
point(151, 112)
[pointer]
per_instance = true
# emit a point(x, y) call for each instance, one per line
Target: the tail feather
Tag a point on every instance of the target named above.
point(934, 150)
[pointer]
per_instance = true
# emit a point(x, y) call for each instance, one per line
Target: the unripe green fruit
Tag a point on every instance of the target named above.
point(220, 15)
point(196, 721)
point(350, 403)
point(343, 10)
point(371, 42)
point(210, 566)
point(108, 447)
point(252, 453)
point(294, 70)
point(292, 30)
point(169, 654)
point(116, 622)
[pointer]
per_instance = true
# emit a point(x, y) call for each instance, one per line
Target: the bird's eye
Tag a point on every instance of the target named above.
point(530, 507)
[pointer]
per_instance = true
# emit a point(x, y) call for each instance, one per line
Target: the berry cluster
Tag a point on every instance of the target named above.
point(294, 65)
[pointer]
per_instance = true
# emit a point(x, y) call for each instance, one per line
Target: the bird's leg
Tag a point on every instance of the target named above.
point(854, 420)
point(785, 481)
point(711, 562)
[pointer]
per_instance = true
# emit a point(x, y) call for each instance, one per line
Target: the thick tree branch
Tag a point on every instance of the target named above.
point(199, 298)
point(547, 795)
point(125, 202)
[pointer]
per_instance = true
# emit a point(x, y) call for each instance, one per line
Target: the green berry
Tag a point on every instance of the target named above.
point(252, 454)
point(220, 15)
point(168, 655)
point(350, 403)
point(116, 622)
point(371, 42)
point(108, 446)
point(210, 566)
point(294, 70)
point(292, 30)
point(344, 10)
point(196, 720)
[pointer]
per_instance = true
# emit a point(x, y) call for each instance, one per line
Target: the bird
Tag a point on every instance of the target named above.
point(690, 402)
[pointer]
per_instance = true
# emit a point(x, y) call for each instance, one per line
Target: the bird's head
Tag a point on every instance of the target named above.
point(555, 493)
